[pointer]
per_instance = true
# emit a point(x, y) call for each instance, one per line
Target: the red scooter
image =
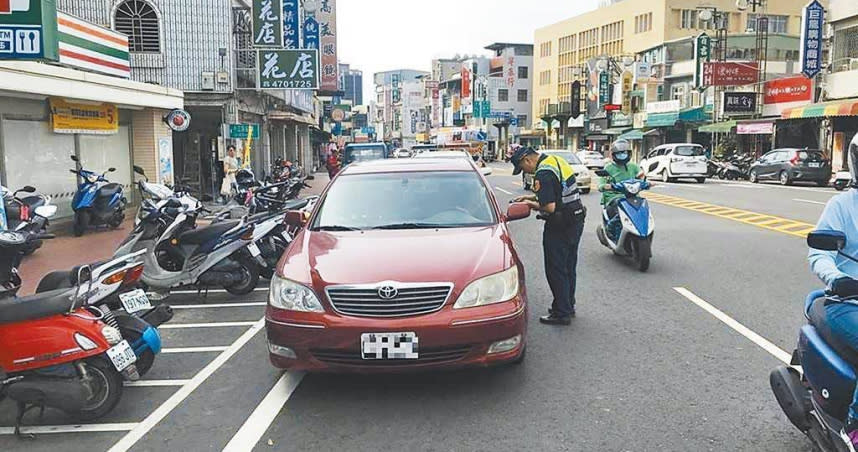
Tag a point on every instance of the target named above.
point(54, 351)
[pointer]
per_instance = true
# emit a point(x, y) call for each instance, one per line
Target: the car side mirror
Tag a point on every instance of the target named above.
point(517, 211)
point(601, 173)
point(110, 170)
point(826, 240)
point(296, 218)
point(486, 171)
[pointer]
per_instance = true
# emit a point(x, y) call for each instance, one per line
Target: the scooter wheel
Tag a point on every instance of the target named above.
point(81, 222)
point(106, 384)
point(251, 277)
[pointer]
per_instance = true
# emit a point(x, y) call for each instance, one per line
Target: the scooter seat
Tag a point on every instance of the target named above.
point(33, 201)
point(18, 309)
point(108, 190)
point(206, 234)
point(818, 319)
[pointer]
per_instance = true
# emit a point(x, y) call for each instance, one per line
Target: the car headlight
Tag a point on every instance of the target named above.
point(292, 296)
point(491, 289)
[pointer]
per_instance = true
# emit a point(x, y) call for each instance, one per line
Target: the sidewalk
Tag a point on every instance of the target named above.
point(67, 251)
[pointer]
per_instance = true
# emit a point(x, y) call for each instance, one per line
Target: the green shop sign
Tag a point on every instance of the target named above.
point(241, 131)
point(28, 30)
point(289, 69)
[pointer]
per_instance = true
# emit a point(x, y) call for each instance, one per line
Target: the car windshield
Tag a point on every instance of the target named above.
point(412, 200)
point(363, 153)
point(688, 151)
point(568, 156)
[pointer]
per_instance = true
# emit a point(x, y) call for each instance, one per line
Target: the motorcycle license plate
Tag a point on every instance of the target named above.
point(389, 345)
point(122, 355)
point(813, 165)
point(135, 301)
point(254, 250)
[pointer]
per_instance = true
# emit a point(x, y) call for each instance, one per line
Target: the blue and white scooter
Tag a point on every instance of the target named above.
point(97, 201)
point(816, 396)
point(631, 233)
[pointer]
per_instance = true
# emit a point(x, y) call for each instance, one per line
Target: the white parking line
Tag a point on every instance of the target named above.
point(502, 190)
point(176, 292)
point(154, 383)
point(193, 349)
point(176, 326)
point(808, 201)
point(255, 426)
point(82, 428)
point(217, 305)
point(131, 438)
point(762, 342)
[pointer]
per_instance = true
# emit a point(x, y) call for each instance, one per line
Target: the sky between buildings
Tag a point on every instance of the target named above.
point(380, 35)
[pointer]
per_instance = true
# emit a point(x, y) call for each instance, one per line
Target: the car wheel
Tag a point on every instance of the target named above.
point(753, 177)
point(701, 180)
point(665, 177)
point(784, 179)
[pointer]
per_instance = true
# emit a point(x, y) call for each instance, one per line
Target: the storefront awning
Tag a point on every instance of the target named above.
point(696, 114)
point(635, 134)
point(718, 127)
point(662, 119)
point(823, 109)
point(755, 127)
point(615, 130)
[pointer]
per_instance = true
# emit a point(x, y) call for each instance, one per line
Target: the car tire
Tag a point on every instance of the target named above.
point(665, 177)
point(784, 178)
point(753, 177)
point(701, 180)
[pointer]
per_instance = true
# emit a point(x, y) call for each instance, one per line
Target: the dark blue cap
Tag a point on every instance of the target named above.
point(517, 156)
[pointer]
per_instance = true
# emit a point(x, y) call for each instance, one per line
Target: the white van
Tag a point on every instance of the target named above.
point(676, 161)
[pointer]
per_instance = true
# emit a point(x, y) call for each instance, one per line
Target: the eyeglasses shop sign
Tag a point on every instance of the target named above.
point(740, 102)
point(288, 69)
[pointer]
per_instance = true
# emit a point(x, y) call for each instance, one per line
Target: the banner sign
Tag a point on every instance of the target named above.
point(311, 33)
point(466, 82)
point(509, 71)
point(93, 119)
point(604, 88)
point(267, 23)
point(28, 30)
point(740, 102)
point(642, 71)
point(288, 69)
point(812, 19)
point(291, 24)
point(90, 47)
point(665, 106)
point(627, 92)
point(755, 128)
point(327, 17)
point(702, 53)
point(791, 89)
point(576, 99)
point(730, 74)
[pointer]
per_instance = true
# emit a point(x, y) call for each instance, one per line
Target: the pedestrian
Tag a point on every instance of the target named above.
point(333, 163)
point(230, 167)
point(558, 202)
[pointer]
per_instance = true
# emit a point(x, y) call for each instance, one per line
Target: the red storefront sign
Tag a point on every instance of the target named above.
point(730, 74)
point(466, 83)
point(792, 89)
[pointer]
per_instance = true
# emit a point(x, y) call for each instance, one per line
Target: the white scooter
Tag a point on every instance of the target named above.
point(841, 180)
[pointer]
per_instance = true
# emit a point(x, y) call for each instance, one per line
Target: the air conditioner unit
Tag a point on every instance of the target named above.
point(853, 64)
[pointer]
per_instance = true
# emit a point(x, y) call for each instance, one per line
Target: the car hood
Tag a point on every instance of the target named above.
point(444, 255)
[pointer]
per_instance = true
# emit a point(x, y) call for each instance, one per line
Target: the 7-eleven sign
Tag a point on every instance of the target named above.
point(10, 6)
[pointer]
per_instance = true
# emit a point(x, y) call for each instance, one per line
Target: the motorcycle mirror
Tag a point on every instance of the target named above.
point(826, 240)
point(601, 173)
point(111, 169)
point(74, 158)
point(27, 189)
point(139, 170)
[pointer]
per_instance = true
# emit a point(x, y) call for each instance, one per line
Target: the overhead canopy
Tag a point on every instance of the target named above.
point(662, 119)
point(823, 109)
point(616, 130)
point(636, 134)
point(718, 127)
point(696, 114)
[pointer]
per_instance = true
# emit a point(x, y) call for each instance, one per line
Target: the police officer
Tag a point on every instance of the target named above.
point(558, 202)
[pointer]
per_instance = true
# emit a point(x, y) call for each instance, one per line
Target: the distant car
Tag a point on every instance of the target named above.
point(485, 170)
point(402, 153)
point(582, 174)
point(364, 152)
point(792, 165)
point(592, 159)
point(420, 148)
point(676, 161)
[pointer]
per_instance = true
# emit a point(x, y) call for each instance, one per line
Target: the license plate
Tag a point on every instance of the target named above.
point(388, 345)
point(122, 355)
point(814, 165)
point(135, 301)
point(254, 250)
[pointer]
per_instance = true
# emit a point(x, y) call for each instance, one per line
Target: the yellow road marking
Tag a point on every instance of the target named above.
point(770, 222)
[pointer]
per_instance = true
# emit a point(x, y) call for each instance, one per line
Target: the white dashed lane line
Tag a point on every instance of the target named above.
point(503, 191)
point(808, 201)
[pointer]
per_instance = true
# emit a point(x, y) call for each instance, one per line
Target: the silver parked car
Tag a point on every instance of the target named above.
point(582, 175)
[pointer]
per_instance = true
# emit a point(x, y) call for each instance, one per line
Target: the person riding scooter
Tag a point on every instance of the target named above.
point(620, 169)
point(840, 274)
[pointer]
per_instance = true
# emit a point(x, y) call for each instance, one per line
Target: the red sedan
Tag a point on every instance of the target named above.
point(405, 264)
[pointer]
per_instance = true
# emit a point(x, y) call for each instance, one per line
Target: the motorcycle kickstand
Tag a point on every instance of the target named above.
point(19, 420)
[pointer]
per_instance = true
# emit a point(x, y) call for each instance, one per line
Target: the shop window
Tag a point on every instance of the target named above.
point(140, 22)
point(777, 24)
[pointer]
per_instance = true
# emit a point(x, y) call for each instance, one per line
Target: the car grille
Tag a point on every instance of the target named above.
point(409, 301)
point(428, 356)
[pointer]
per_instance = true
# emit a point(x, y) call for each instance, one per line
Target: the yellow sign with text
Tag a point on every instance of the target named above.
point(88, 118)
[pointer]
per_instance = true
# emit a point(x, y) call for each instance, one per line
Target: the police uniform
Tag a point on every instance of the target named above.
point(554, 182)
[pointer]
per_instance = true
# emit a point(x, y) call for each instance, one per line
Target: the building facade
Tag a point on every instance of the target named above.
point(351, 84)
point(394, 102)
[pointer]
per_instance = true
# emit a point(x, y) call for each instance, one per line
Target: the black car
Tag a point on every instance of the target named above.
point(792, 165)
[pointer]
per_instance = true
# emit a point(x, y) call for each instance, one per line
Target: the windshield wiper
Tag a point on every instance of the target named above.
point(412, 225)
point(335, 228)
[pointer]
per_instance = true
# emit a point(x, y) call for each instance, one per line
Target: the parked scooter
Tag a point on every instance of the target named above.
point(842, 180)
point(28, 214)
point(816, 398)
point(97, 201)
point(630, 232)
point(54, 352)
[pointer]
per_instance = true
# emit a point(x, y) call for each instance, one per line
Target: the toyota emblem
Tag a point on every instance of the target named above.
point(387, 292)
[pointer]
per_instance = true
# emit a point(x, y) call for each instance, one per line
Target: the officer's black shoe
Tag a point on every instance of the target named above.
point(572, 314)
point(555, 320)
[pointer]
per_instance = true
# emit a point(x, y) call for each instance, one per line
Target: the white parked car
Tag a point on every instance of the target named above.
point(485, 170)
point(583, 178)
point(676, 161)
point(592, 159)
point(402, 153)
